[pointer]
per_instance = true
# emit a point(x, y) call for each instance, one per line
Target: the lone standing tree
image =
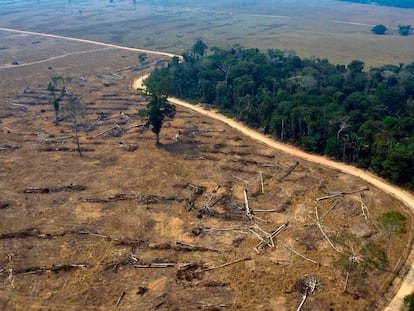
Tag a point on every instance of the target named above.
point(379, 29)
point(52, 88)
point(158, 108)
point(405, 30)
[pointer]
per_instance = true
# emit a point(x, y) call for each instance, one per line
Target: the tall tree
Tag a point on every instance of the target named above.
point(52, 87)
point(199, 48)
point(158, 108)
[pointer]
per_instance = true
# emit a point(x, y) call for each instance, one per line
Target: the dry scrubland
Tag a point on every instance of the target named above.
point(91, 232)
point(338, 31)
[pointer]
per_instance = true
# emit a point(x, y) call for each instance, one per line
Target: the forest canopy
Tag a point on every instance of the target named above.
point(350, 114)
point(395, 3)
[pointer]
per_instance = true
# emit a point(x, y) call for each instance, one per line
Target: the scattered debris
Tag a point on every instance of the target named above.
point(334, 194)
point(190, 272)
point(289, 171)
point(147, 199)
point(9, 147)
point(53, 268)
point(70, 187)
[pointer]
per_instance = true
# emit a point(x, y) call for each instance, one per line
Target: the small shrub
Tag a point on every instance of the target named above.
point(409, 302)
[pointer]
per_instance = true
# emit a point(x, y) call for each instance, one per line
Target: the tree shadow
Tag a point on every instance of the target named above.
point(184, 148)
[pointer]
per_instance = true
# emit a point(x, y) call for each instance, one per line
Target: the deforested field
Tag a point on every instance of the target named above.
point(335, 30)
point(210, 220)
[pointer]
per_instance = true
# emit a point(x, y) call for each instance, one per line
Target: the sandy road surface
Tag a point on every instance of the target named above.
point(405, 197)
point(119, 47)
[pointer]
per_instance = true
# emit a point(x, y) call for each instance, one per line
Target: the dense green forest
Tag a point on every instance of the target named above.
point(395, 3)
point(356, 116)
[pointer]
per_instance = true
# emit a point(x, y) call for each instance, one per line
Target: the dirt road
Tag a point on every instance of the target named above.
point(405, 197)
point(52, 58)
point(119, 47)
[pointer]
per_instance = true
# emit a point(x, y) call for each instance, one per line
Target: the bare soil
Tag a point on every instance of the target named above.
point(137, 226)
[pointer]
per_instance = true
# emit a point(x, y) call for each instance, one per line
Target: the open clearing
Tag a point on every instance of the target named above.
point(130, 224)
point(335, 30)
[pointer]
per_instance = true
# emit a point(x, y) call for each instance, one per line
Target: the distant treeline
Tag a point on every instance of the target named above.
point(357, 116)
point(395, 3)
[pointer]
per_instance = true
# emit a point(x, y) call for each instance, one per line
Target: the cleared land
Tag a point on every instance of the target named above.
point(335, 30)
point(110, 219)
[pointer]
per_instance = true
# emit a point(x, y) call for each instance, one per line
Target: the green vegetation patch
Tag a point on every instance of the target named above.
point(357, 116)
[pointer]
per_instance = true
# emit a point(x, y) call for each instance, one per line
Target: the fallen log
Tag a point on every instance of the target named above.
point(9, 147)
point(289, 171)
point(300, 255)
point(55, 189)
point(340, 193)
point(191, 247)
point(147, 199)
point(120, 298)
point(156, 265)
point(318, 223)
point(227, 264)
point(53, 268)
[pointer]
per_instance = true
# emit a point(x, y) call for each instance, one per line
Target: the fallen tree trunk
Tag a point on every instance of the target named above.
point(147, 199)
point(289, 171)
point(340, 193)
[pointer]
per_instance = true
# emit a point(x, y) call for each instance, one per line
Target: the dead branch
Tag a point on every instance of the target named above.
point(147, 199)
point(116, 126)
point(120, 298)
point(268, 240)
point(318, 223)
point(55, 140)
point(289, 171)
point(242, 180)
point(208, 306)
point(192, 247)
point(157, 265)
point(53, 268)
point(134, 126)
point(201, 230)
point(302, 302)
point(197, 191)
point(26, 107)
point(261, 181)
point(8, 129)
point(55, 189)
point(94, 234)
point(246, 203)
point(228, 264)
point(9, 148)
point(40, 134)
point(300, 255)
point(340, 193)
point(328, 211)
point(206, 209)
point(364, 208)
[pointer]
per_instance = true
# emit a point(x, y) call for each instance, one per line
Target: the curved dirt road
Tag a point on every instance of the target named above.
point(405, 197)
